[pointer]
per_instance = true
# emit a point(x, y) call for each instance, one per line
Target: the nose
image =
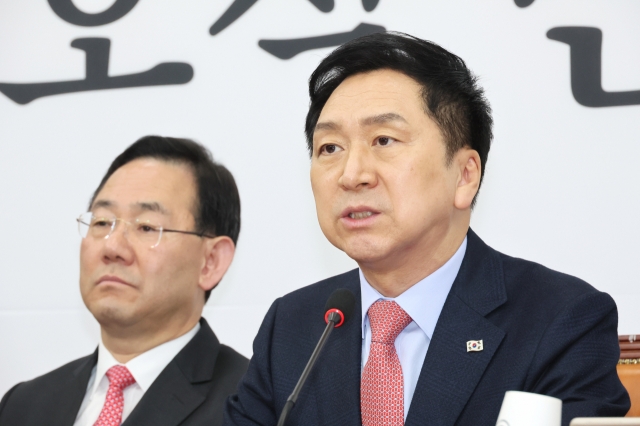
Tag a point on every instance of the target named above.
point(117, 247)
point(359, 169)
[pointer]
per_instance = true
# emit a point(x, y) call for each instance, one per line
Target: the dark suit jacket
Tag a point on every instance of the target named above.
point(543, 332)
point(191, 390)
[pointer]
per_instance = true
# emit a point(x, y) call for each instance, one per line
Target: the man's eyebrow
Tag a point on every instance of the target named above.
point(101, 203)
point(326, 125)
point(375, 119)
point(382, 119)
point(151, 207)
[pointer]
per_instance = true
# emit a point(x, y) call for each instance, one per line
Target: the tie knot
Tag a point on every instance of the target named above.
point(387, 320)
point(120, 377)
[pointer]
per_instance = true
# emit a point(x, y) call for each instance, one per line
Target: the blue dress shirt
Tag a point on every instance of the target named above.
point(423, 302)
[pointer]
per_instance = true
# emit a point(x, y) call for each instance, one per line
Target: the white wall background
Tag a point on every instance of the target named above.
point(561, 185)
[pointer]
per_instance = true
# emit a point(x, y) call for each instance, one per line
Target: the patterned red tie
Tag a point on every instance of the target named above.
point(111, 414)
point(382, 385)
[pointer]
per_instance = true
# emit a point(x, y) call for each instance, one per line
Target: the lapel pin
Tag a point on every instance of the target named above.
point(474, 345)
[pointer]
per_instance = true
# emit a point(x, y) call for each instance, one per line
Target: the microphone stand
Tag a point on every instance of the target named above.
point(332, 319)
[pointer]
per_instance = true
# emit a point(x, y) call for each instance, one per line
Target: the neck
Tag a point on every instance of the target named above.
point(398, 272)
point(126, 344)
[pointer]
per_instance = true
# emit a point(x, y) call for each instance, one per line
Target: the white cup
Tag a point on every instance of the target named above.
point(529, 409)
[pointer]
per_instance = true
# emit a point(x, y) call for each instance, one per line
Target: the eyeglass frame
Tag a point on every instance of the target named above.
point(162, 229)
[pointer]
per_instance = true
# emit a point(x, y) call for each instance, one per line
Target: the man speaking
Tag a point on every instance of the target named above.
point(399, 134)
point(159, 235)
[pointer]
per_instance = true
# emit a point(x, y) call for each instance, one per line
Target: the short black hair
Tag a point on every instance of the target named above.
point(451, 94)
point(217, 209)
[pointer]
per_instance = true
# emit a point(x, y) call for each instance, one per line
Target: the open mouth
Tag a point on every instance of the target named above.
point(360, 215)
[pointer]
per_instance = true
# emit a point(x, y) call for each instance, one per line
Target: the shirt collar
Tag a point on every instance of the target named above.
point(146, 367)
point(422, 301)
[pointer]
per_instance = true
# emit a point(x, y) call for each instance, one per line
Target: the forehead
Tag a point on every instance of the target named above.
point(374, 92)
point(147, 180)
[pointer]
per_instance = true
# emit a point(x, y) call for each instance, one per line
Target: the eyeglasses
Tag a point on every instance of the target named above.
point(144, 231)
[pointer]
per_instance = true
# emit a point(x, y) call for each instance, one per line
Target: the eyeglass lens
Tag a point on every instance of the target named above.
point(143, 231)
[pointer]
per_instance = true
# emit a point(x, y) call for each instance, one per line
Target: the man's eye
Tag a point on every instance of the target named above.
point(145, 228)
point(384, 141)
point(329, 149)
point(101, 223)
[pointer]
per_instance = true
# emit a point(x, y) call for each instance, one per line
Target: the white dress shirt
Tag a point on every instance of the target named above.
point(423, 302)
point(145, 368)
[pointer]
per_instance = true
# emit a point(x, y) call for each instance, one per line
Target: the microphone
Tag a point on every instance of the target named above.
point(338, 310)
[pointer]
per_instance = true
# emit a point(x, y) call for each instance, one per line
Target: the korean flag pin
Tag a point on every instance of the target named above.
point(474, 345)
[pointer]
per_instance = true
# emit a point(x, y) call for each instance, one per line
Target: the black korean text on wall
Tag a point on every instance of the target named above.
point(97, 52)
point(288, 48)
point(586, 66)
point(585, 54)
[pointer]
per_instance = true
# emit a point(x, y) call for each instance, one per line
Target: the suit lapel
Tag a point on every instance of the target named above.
point(69, 395)
point(66, 399)
point(173, 396)
point(168, 401)
point(337, 374)
point(450, 374)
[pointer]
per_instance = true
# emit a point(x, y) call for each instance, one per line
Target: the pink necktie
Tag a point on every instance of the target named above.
point(111, 414)
point(382, 385)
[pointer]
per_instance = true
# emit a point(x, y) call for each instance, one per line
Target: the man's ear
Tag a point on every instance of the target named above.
point(468, 163)
point(219, 253)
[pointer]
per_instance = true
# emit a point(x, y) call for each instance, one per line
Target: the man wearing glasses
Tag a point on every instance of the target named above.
point(159, 235)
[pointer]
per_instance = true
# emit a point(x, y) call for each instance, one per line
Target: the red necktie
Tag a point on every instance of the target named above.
point(111, 414)
point(382, 385)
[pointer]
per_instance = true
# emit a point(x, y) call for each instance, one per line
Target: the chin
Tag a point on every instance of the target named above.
point(112, 313)
point(366, 251)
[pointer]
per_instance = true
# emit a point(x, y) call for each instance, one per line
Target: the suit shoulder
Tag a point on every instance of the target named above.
point(532, 281)
point(230, 359)
point(292, 310)
point(229, 369)
point(51, 378)
point(31, 397)
point(325, 287)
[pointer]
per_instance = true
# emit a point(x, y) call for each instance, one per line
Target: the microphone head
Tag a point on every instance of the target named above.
point(343, 302)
